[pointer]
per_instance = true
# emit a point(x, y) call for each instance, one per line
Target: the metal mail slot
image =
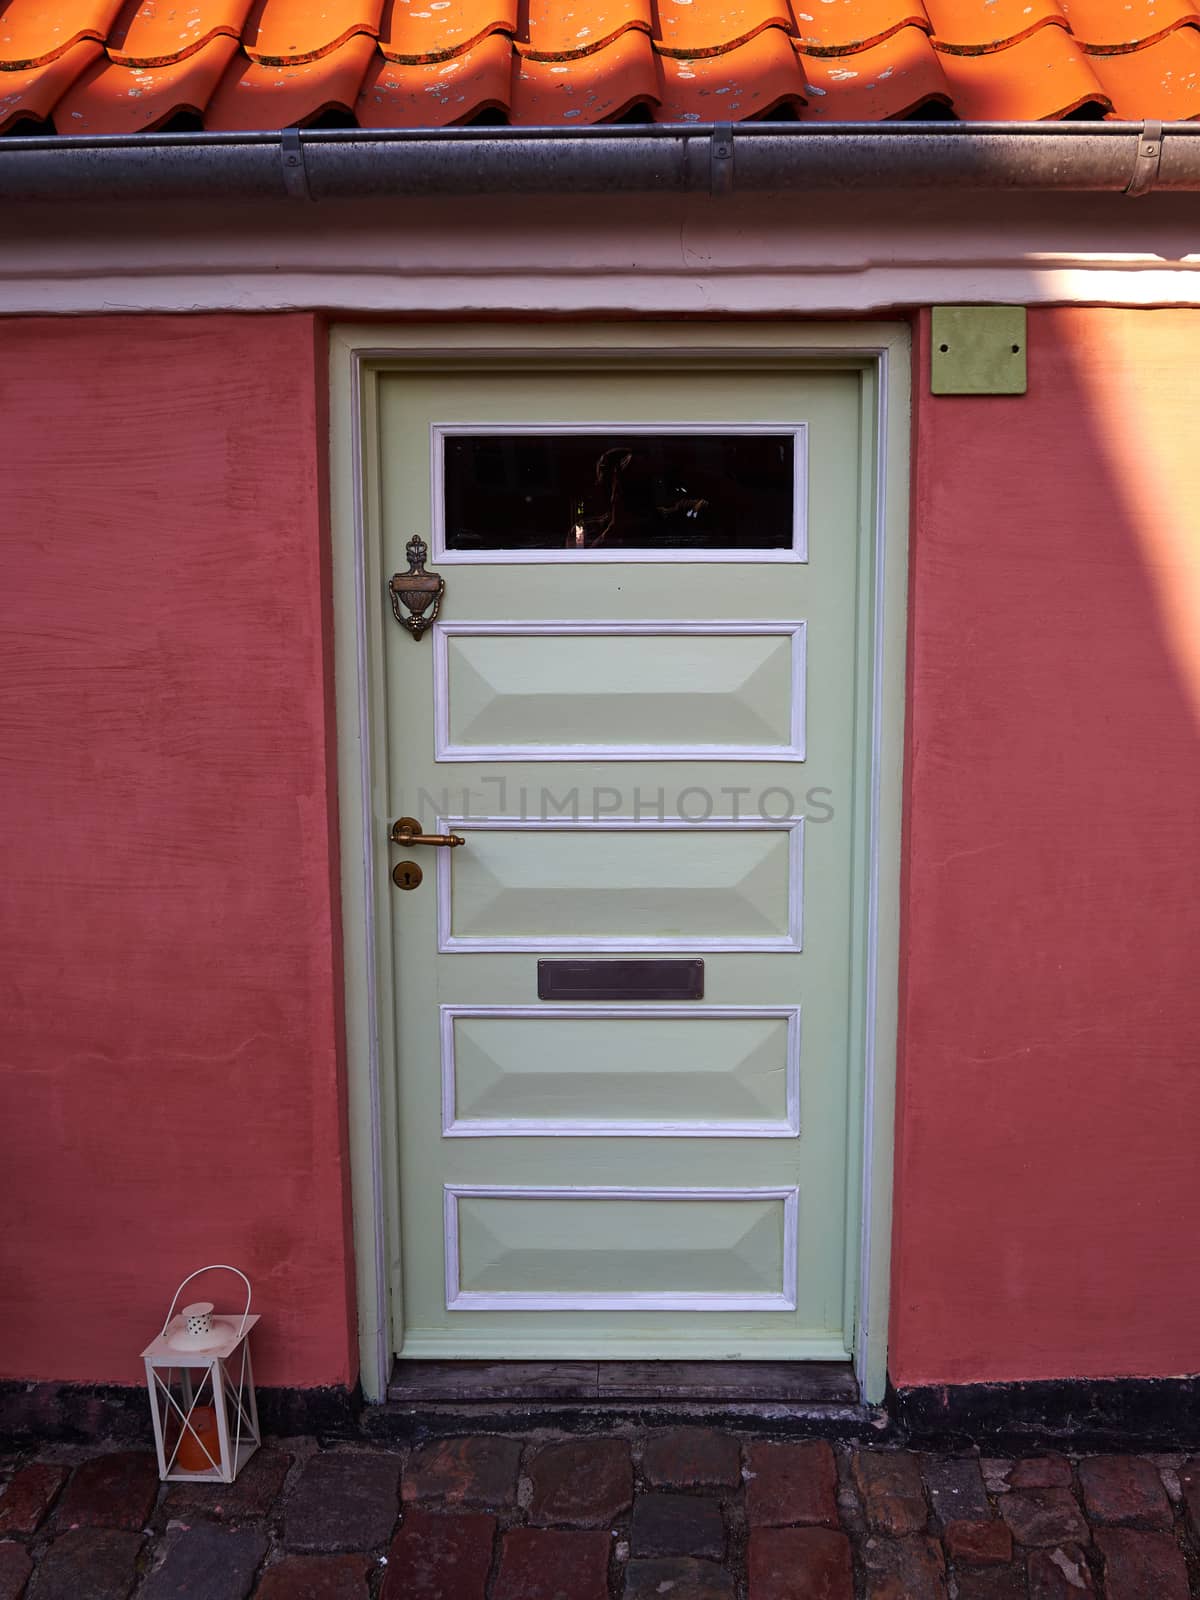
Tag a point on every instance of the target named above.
point(620, 980)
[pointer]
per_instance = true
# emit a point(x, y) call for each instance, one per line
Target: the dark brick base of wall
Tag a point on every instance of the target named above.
point(1093, 1414)
point(81, 1413)
point(1117, 1413)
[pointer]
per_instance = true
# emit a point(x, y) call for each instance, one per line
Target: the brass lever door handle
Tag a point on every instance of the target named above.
point(407, 830)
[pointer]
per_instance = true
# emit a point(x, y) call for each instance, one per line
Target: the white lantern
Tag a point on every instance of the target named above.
point(201, 1388)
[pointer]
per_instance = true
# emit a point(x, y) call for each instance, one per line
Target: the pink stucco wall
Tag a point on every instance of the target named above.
point(1048, 1187)
point(170, 1068)
point(170, 1050)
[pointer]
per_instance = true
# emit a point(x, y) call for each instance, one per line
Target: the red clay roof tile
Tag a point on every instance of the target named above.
point(1105, 25)
point(431, 30)
point(885, 80)
point(586, 89)
point(429, 63)
point(1165, 74)
point(252, 95)
point(1045, 75)
point(824, 28)
point(33, 92)
point(709, 27)
point(977, 27)
point(33, 31)
point(151, 33)
point(435, 94)
point(115, 99)
point(286, 32)
point(750, 80)
point(555, 29)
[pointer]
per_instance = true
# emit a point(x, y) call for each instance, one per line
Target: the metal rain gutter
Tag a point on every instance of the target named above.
point(326, 164)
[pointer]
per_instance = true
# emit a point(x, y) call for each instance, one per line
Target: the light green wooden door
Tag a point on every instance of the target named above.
point(637, 707)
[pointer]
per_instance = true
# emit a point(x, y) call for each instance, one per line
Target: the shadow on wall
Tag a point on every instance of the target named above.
point(1048, 1191)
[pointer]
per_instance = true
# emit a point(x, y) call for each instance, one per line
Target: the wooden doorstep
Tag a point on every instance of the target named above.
point(784, 1382)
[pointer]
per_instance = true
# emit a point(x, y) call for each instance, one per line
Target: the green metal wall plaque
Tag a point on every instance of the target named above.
point(978, 350)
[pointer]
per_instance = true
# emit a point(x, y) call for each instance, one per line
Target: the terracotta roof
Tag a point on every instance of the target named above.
point(127, 66)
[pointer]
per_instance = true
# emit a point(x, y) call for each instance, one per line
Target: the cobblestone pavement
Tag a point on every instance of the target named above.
point(683, 1514)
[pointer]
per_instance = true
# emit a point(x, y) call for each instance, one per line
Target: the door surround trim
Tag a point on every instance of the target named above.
point(882, 352)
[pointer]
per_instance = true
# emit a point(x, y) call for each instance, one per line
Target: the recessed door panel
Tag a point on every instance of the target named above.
point(618, 1250)
point(644, 1071)
point(667, 691)
point(541, 886)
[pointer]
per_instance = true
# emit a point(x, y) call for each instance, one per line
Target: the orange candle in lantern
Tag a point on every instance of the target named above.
point(199, 1435)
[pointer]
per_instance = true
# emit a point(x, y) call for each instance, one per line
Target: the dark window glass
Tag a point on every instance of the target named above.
point(612, 491)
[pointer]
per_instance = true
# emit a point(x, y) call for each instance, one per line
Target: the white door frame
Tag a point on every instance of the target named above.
point(357, 352)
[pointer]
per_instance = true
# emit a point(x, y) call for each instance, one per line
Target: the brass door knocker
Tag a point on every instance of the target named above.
point(420, 592)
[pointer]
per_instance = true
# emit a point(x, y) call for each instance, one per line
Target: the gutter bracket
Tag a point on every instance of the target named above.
point(1147, 159)
point(720, 159)
point(291, 157)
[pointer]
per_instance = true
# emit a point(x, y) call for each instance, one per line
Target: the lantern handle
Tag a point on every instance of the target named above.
point(217, 1266)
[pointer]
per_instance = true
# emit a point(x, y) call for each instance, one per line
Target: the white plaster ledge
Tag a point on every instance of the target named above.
point(689, 255)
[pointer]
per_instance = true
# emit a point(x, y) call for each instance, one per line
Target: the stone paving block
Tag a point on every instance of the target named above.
point(955, 1486)
point(548, 1564)
point(889, 1482)
point(677, 1580)
point(980, 1544)
point(28, 1496)
point(800, 1564)
point(207, 1563)
point(315, 1578)
point(113, 1491)
point(692, 1458)
point(87, 1564)
point(1044, 1516)
point(1126, 1489)
point(476, 1471)
point(791, 1483)
point(582, 1483)
point(440, 1557)
point(991, 1583)
point(1060, 1574)
point(996, 1473)
point(1041, 1472)
point(1141, 1566)
point(677, 1525)
point(904, 1569)
point(247, 1499)
point(15, 1567)
point(346, 1500)
point(1189, 1488)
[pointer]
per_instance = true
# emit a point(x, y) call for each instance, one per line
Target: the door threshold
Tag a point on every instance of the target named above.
point(616, 1383)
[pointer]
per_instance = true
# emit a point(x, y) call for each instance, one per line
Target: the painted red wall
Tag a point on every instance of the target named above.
point(169, 1056)
point(1048, 1180)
